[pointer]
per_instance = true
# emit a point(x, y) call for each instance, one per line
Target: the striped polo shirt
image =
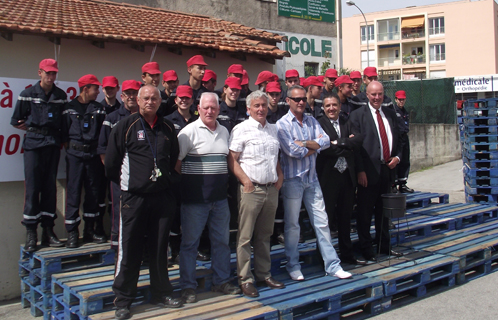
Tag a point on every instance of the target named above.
point(204, 162)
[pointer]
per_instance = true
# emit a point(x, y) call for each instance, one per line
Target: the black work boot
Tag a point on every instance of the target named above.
point(72, 239)
point(49, 238)
point(31, 240)
point(89, 234)
point(99, 227)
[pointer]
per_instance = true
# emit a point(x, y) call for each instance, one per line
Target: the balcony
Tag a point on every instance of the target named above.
point(389, 62)
point(388, 36)
point(439, 57)
point(413, 34)
point(436, 31)
point(413, 59)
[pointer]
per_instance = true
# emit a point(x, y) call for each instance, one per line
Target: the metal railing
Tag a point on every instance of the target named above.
point(389, 62)
point(437, 30)
point(387, 36)
point(414, 35)
point(414, 59)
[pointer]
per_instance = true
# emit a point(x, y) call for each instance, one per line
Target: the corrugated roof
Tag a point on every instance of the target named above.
point(109, 21)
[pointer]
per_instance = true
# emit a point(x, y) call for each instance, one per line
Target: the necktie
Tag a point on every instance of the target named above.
point(383, 137)
point(341, 165)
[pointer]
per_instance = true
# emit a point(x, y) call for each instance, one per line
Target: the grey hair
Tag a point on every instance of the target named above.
point(289, 91)
point(149, 86)
point(209, 94)
point(256, 95)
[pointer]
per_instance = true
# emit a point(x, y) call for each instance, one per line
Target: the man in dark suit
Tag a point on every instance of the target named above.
point(380, 153)
point(335, 167)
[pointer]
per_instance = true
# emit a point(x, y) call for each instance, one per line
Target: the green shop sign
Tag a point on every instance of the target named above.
point(308, 47)
point(317, 10)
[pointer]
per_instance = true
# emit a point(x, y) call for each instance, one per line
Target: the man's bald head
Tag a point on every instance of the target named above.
point(375, 94)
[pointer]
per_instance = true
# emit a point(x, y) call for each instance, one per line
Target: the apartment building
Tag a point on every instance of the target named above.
point(420, 42)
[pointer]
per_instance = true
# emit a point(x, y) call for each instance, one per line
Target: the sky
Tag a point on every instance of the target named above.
point(368, 6)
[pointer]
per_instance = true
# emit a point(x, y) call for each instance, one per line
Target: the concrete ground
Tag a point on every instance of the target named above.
point(474, 300)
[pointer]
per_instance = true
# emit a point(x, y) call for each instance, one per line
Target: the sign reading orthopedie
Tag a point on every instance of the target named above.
point(487, 83)
point(317, 10)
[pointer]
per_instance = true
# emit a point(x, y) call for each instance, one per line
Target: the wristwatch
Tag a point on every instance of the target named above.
point(304, 143)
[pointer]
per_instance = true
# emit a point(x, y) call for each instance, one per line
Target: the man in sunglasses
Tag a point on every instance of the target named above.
point(301, 137)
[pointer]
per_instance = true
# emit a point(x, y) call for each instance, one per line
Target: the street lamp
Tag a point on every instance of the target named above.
point(351, 3)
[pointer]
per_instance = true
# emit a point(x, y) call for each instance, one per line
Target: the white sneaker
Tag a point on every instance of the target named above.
point(296, 275)
point(341, 274)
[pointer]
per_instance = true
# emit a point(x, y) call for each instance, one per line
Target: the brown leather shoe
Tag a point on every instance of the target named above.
point(271, 283)
point(248, 289)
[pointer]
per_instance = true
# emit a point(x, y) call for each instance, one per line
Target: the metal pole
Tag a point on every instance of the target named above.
point(368, 35)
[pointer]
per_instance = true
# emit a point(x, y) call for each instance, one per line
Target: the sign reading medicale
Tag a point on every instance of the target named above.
point(317, 10)
point(487, 83)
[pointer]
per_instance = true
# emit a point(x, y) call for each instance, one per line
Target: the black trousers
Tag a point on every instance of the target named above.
point(104, 192)
point(40, 196)
point(115, 214)
point(339, 195)
point(403, 168)
point(370, 204)
point(143, 215)
point(82, 172)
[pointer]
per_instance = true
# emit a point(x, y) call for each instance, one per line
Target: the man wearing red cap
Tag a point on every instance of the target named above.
point(81, 123)
point(110, 86)
point(38, 111)
point(360, 100)
point(344, 87)
point(245, 83)
point(129, 97)
point(404, 127)
point(209, 80)
point(263, 78)
point(314, 90)
point(151, 74)
point(356, 78)
point(329, 79)
point(196, 67)
point(291, 79)
point(275, 109)
point(168, 95)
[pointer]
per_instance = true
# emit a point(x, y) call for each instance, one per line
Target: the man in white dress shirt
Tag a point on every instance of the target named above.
point(253, 159)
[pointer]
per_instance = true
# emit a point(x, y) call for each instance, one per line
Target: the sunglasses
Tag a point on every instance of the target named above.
point(303, 99)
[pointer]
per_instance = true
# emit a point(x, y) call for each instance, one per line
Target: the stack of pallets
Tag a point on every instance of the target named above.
point(479, 140)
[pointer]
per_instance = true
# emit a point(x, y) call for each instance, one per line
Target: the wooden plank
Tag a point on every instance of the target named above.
point(266, 311)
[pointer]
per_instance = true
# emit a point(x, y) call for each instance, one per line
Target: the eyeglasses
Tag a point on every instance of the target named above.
point(297, 100)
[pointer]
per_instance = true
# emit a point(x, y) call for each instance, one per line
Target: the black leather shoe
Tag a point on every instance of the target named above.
point(249, 290)
point(270, 283)
point(90, 236)
point(122, 313)
point(353, 260)
point(226, 288)
point(72, 239)
point(168, 302)
point(404, 189)
point(189, 295)
point(203, 256)
point(392, 253)
point(369, 255)
point(49, 238)
point(31, 240)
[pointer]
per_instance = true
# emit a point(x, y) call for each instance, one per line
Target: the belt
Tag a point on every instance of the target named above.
point(87, 148)
point(46, 131)
point(266, 185)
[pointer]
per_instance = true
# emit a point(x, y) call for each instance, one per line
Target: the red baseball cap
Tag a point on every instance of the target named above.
point(401, 94)
point(301, 81)
point(370, 72)
point(331, 73)
point(265, 76)
point(321, 78)
point(197, 59)
point(48, 65)
point(245, 78)
point(110, 81)
point(170, 75)
point(273, 87)
point(291, 73)
point(151, 68)
point(233, 83)
point(88, 79)
point(341, 80)
point(355, 75)
point(208, 75)
point(130, 85)
point(312, 81)
point(236, 68)
point(184, 91)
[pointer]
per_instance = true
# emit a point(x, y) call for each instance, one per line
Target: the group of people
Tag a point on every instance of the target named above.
point(193, 157)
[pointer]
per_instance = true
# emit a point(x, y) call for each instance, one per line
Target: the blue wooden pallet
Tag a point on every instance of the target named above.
point(480, 189)
point(480, 155)
point(418, 227)
point(481, 164)
point(479, 173)
point(36, 300)
point(423, 199)
point(480, 138)
point(481, 198)
point(483, 181)
point(480, 112)
point(480, 129)
point(480, 121)
point(466, 215)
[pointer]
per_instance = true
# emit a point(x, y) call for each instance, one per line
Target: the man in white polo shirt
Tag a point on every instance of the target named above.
point(203, 163)
point(253, 159)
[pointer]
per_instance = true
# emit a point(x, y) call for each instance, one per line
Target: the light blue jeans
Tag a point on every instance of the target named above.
point(294, 191)
point(194, 217)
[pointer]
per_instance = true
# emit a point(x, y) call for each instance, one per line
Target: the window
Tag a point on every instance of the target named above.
point(364, 59)
point(437, 52)
point(436, 26)
point(438, 74)
point(388, 30)
point(310, 69)
point(371, 34)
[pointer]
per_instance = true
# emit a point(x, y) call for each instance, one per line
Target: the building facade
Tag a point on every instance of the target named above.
point(434, 41)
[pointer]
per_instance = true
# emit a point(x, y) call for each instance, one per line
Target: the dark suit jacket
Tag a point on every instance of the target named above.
point(363, 125)
point(346, 147)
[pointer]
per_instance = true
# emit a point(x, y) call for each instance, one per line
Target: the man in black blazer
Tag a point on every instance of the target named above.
point(335, 167)
point(380, 153)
